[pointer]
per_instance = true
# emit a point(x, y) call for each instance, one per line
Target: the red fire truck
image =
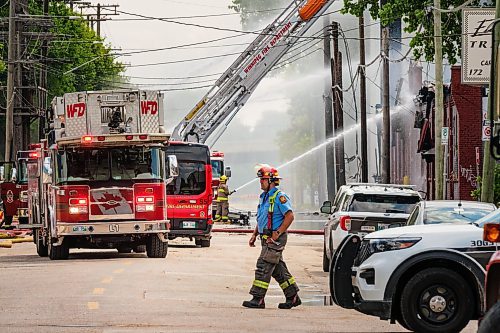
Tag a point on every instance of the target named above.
point(99, 181)
point(14, 190)
point(189, 197)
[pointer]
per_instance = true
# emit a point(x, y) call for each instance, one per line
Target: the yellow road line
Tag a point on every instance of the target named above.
point(118, 271)
point(107, 279)
point(93, 305)
point(98, 291)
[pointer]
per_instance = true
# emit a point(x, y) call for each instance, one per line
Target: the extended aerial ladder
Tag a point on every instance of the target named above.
point(235, 86)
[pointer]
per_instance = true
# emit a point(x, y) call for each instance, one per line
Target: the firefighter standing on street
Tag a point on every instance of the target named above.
point(222, 201)
point(274, 216)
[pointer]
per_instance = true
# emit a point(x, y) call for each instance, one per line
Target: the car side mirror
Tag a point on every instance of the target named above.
point(173, 166)
point(326, 207)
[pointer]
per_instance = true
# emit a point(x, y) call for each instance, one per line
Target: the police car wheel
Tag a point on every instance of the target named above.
point(437, 300)
point(205, 243)
point(402, 322)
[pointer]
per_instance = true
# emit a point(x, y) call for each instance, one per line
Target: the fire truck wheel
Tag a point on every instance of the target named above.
point(205, 243)
point(60, 252)
point(140, 249)
point(155, 248)
point(41, 248)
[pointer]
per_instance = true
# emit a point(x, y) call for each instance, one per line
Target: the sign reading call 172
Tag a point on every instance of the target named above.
point(476, 45)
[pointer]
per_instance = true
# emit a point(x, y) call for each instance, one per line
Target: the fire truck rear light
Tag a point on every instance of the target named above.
point(145, 199)
point(143, 137)
point(129, 137)
point(101, 138)
point(34, 154)
point(87, 139)
point(78, 210)
point(33, 146)
point(78, 202)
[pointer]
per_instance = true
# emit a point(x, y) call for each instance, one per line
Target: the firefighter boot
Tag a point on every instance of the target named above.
point(290, 302)
point(255, 303)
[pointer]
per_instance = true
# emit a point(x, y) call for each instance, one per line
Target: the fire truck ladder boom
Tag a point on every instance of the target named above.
point(235, 86)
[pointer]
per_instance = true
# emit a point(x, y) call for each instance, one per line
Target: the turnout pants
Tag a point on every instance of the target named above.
point(271, 264)
point(222, 211)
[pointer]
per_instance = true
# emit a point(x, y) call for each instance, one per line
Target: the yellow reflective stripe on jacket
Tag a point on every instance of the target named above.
point(261, 284)
point(222, 190)
point(222, 199)
point(287, 283)
point(271, 201)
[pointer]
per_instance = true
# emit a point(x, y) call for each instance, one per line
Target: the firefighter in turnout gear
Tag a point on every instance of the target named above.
point(274, 216)
point(222, 201)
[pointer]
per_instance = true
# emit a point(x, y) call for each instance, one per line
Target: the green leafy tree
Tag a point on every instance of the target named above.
point(77, 58)
point(418, 20)
point(476, 194)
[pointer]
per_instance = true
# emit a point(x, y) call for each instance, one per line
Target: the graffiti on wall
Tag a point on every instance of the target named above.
point(468, 174)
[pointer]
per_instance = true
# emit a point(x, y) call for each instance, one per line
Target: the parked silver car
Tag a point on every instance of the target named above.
point(448, 211)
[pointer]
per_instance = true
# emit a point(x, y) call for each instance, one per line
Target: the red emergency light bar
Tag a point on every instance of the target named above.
point(217, 154)
point(33, 146)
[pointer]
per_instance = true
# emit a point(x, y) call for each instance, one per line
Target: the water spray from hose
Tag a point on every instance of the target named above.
point(325, 143)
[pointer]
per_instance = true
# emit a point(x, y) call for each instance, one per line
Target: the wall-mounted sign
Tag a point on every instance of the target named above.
point(476, 45)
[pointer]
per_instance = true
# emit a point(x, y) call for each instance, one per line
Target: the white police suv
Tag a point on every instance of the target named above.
point(429, 278)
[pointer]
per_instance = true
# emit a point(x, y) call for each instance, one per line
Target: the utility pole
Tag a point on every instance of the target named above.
point(438, 102)
point(42, 97)
point(487, 189)
point(362, 88)
point(386, 111)
point(98, 17)
point(338, 108)
point(330, 157)
point(26, 84)
point(11, 58)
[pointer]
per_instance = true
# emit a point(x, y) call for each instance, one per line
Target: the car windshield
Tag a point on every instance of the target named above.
point(493, 217)
point(378, 203)
point(191, 179)
point(437, 215)
point(109, 164)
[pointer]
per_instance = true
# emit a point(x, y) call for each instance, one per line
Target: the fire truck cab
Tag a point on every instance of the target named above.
point(189, 197)
point(100, 179)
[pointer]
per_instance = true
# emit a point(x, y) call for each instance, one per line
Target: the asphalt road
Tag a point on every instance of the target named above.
point(192, 290)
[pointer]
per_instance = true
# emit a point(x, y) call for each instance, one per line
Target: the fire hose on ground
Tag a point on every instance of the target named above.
point(249, 231)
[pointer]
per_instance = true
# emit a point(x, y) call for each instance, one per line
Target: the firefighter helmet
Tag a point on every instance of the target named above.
point(268, 172)
point(223, 178)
